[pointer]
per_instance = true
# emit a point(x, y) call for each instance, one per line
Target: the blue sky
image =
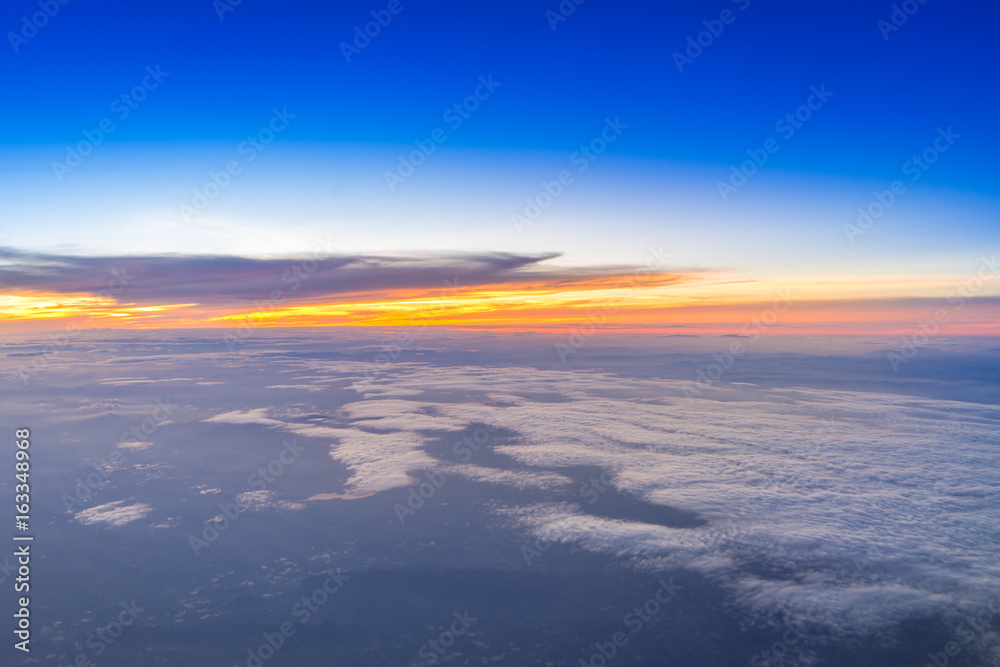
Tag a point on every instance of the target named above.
point(605, 59)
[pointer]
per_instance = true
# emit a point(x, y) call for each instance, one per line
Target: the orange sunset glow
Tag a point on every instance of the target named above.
point(694, 302)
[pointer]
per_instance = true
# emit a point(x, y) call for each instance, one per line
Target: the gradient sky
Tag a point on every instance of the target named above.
point(653, 191)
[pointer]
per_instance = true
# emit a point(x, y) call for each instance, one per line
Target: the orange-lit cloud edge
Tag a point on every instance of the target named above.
point(692, 303)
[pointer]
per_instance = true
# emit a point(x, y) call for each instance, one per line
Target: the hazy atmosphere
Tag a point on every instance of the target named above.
point(506, 333)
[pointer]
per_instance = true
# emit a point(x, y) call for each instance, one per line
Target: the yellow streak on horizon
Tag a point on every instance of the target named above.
point(63, 306)
point(640, 299)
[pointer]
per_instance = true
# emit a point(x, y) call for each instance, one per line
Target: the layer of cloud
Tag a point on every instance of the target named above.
point(378, 461)
point(113, 514)
point(877, 506)
point(517, 479)
point(264, 499)
point(865, 508)
point(214, 279)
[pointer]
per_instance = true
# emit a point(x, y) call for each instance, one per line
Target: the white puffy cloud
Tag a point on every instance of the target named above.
point(257, 416)
point(518, 479)
point(400, 415)
point(264, 499)
point(113, 514)
point(378, 461)
point(134, 445)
